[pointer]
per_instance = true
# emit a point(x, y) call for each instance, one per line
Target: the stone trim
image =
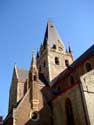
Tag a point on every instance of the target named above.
point(22, 100)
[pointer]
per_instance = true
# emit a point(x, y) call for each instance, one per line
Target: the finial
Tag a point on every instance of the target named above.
point(33, 58)
point(15, 64)
point(70, 49)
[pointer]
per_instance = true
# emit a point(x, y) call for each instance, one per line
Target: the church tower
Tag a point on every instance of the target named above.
point(52, 58)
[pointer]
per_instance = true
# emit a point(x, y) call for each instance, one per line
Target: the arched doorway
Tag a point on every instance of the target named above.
point(69, 112)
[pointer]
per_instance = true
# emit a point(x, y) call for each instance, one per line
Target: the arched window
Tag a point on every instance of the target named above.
point(69, 112)
point(71, 80)
point(56, 60)
point(35, 78)
point(67, 62)
point(88, 67)
point(54, 46)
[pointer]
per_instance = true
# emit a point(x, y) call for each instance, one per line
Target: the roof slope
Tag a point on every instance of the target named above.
point(51, 35)
point(22, 74)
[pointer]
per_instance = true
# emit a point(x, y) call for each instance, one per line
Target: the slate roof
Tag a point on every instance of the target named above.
point(51, 34)
point(22, 74)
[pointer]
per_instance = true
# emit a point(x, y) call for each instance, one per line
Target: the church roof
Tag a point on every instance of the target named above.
point(51, 34)
point(22, 74)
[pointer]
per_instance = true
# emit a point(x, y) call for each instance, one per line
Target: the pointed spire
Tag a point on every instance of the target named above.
point(33, 63)
point(70, 51)
point(15, 65)
point(51, 35)
point(37, 55)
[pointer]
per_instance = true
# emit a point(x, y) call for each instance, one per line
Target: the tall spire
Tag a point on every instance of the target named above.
point(51, 35)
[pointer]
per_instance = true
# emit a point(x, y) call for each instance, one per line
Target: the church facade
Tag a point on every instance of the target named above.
point(56, 90)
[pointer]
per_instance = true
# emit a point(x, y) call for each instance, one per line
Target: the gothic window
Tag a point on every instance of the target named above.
point(35, 78)
point(88, 67)
point(56, 60)
point(71, 80)
point(67, 62)
point(69, 112)
point(54, 46)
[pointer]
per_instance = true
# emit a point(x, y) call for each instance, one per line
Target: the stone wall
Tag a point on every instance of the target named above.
point(59, 110)
point(88, 89)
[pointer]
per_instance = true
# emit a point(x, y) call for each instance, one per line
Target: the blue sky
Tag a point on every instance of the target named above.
point(22, 28)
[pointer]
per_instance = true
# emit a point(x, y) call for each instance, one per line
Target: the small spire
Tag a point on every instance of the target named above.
point(33, 72)
point(37, 54)
point(33, 59)
point(70, 49)
point(15, 67)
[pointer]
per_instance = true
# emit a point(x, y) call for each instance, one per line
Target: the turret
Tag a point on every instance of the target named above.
point(70, 51)
point(34, 84)
point(33, 72)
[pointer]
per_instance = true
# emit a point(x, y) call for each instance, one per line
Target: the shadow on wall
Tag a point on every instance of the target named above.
point(44, 116)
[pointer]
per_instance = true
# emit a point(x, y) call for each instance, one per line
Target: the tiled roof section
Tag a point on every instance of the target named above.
point(42, 79)
point(51, 34)
point(66, 72)
point(22, 74)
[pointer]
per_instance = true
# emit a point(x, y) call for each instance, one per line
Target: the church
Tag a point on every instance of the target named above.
point(56, 90)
